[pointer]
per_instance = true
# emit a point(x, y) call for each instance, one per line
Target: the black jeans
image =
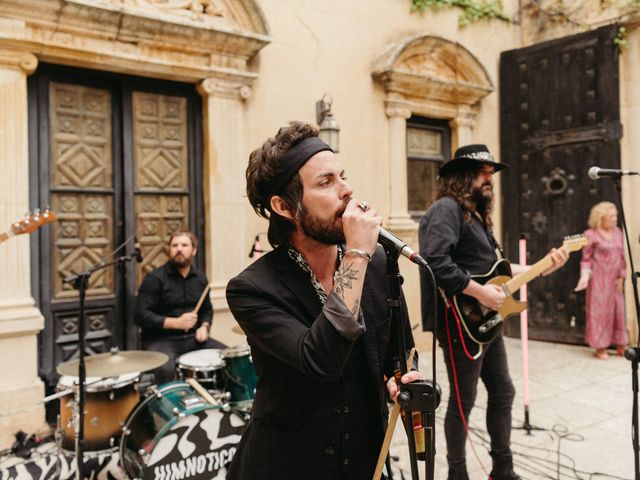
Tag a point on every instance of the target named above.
point(174, 346)
point(493, 369)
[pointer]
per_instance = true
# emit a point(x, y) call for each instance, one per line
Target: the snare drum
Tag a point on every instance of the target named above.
point(175, 430)
point(206, 366)
point(108, 402)
point(240, 373)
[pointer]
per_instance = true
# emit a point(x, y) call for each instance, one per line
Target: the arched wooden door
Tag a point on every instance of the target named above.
point(115, 157)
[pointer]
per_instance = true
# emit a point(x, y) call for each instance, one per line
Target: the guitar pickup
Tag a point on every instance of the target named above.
point(489, 324)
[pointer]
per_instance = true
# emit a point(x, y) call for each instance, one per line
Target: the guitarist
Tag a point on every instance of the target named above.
point(457, 241)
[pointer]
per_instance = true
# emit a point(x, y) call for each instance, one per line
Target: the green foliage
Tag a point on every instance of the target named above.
point(621, 38)
point(472, 10)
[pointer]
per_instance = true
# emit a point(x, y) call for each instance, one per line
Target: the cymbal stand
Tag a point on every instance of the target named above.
point(421, 396)
point(80, 282)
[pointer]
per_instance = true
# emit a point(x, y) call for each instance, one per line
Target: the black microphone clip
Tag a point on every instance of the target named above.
point(137, 251)
point(255, 247)
point(390, 242)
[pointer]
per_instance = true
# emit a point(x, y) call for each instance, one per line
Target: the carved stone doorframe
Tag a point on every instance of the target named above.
point(207, 42)
point(432, 77)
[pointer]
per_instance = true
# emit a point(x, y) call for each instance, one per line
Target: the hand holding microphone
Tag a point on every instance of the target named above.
point(360, 225)
point(385, 238)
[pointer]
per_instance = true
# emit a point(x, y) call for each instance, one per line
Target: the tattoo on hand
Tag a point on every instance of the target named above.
point(344, 278)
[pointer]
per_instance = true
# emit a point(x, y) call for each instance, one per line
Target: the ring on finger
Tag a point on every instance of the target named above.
point(364, 206)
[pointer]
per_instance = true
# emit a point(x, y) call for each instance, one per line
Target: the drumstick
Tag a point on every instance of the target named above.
point(393, 418)
point(199, 304)
point(200, 389)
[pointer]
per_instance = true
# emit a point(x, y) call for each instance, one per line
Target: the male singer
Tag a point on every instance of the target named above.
point(165, 306)
point(316, 317)
point(456, 239)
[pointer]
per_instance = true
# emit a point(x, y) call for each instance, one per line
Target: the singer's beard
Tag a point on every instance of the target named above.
point(323, 230)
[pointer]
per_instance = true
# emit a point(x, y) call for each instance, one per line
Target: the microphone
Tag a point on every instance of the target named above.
point(256, 250)
point(597, 172)
point(137, 252)
point(391, 242)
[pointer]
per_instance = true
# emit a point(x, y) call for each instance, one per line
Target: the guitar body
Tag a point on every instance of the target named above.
point(479, 322)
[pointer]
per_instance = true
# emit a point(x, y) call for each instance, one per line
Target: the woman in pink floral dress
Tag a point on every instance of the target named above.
point(602, 273)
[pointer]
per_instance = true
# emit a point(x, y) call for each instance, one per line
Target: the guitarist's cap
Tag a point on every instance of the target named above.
point(470, 157)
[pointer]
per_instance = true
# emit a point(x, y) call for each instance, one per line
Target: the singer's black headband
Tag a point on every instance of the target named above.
point(291, 162)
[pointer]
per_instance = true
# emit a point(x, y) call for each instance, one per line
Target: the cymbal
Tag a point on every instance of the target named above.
point(112, 364)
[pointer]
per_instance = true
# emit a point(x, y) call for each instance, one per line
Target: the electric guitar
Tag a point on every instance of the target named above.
point(30, 223)
point(483, 324)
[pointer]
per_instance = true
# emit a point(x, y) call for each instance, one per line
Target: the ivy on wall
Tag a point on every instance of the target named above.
point(472, 10)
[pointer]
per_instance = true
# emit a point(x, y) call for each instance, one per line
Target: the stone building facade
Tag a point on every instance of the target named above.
point(255, 64)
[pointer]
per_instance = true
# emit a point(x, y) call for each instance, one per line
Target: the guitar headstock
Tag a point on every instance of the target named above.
point(573, 243)
point(33, 220)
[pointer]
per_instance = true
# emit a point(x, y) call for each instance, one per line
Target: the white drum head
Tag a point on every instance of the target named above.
point(98, 384)
point(237, 351)
point(207, 358)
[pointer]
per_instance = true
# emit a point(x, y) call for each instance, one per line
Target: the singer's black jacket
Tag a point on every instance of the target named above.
point(320, 405)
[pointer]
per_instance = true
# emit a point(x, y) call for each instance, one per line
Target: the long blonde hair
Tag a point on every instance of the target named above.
point(598, 211)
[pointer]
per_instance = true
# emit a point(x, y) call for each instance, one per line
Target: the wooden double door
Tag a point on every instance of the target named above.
point(116, 158)
point(560, 115)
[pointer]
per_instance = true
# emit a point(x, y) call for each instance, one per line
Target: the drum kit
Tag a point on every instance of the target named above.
point(191, 425)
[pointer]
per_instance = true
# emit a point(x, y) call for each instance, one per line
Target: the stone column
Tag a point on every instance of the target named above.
point(399, 218)
point(226, 206)
point(462, 129)
point(20, 320)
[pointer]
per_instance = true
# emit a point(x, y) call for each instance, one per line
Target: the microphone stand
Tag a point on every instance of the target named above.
point(420, 396)
point(632, 353)
point(80, 282)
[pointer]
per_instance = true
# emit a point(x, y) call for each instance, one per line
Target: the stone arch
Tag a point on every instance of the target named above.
point(434, 77)
point(428, 69)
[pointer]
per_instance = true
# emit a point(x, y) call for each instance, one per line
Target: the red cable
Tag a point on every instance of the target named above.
point(455, 380)
point(464, 345)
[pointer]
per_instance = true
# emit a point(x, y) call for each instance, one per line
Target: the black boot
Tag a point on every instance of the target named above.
point(503, 468)
point(458, 473)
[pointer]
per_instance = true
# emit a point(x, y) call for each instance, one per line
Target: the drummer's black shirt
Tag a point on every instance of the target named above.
point(166, 293)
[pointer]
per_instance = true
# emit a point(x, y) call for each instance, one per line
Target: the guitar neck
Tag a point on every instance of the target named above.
point(525, 277)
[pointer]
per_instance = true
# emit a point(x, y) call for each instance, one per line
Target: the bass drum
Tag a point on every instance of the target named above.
point(175, 433)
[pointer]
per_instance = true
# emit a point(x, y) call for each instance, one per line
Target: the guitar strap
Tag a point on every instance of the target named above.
point(497, 245)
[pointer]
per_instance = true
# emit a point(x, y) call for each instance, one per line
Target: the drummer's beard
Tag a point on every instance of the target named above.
point(180, 261)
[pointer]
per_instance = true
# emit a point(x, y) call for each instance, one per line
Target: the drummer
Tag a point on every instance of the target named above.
point(166, 303)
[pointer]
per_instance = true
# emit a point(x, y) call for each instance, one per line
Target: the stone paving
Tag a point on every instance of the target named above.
point(582, 404)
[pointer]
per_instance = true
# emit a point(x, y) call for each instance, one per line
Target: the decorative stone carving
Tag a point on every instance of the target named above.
point(22, 60)
point(426, 68)
point(183, 40)
point(226, 88)
point(182, 7)
point(394, 110)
